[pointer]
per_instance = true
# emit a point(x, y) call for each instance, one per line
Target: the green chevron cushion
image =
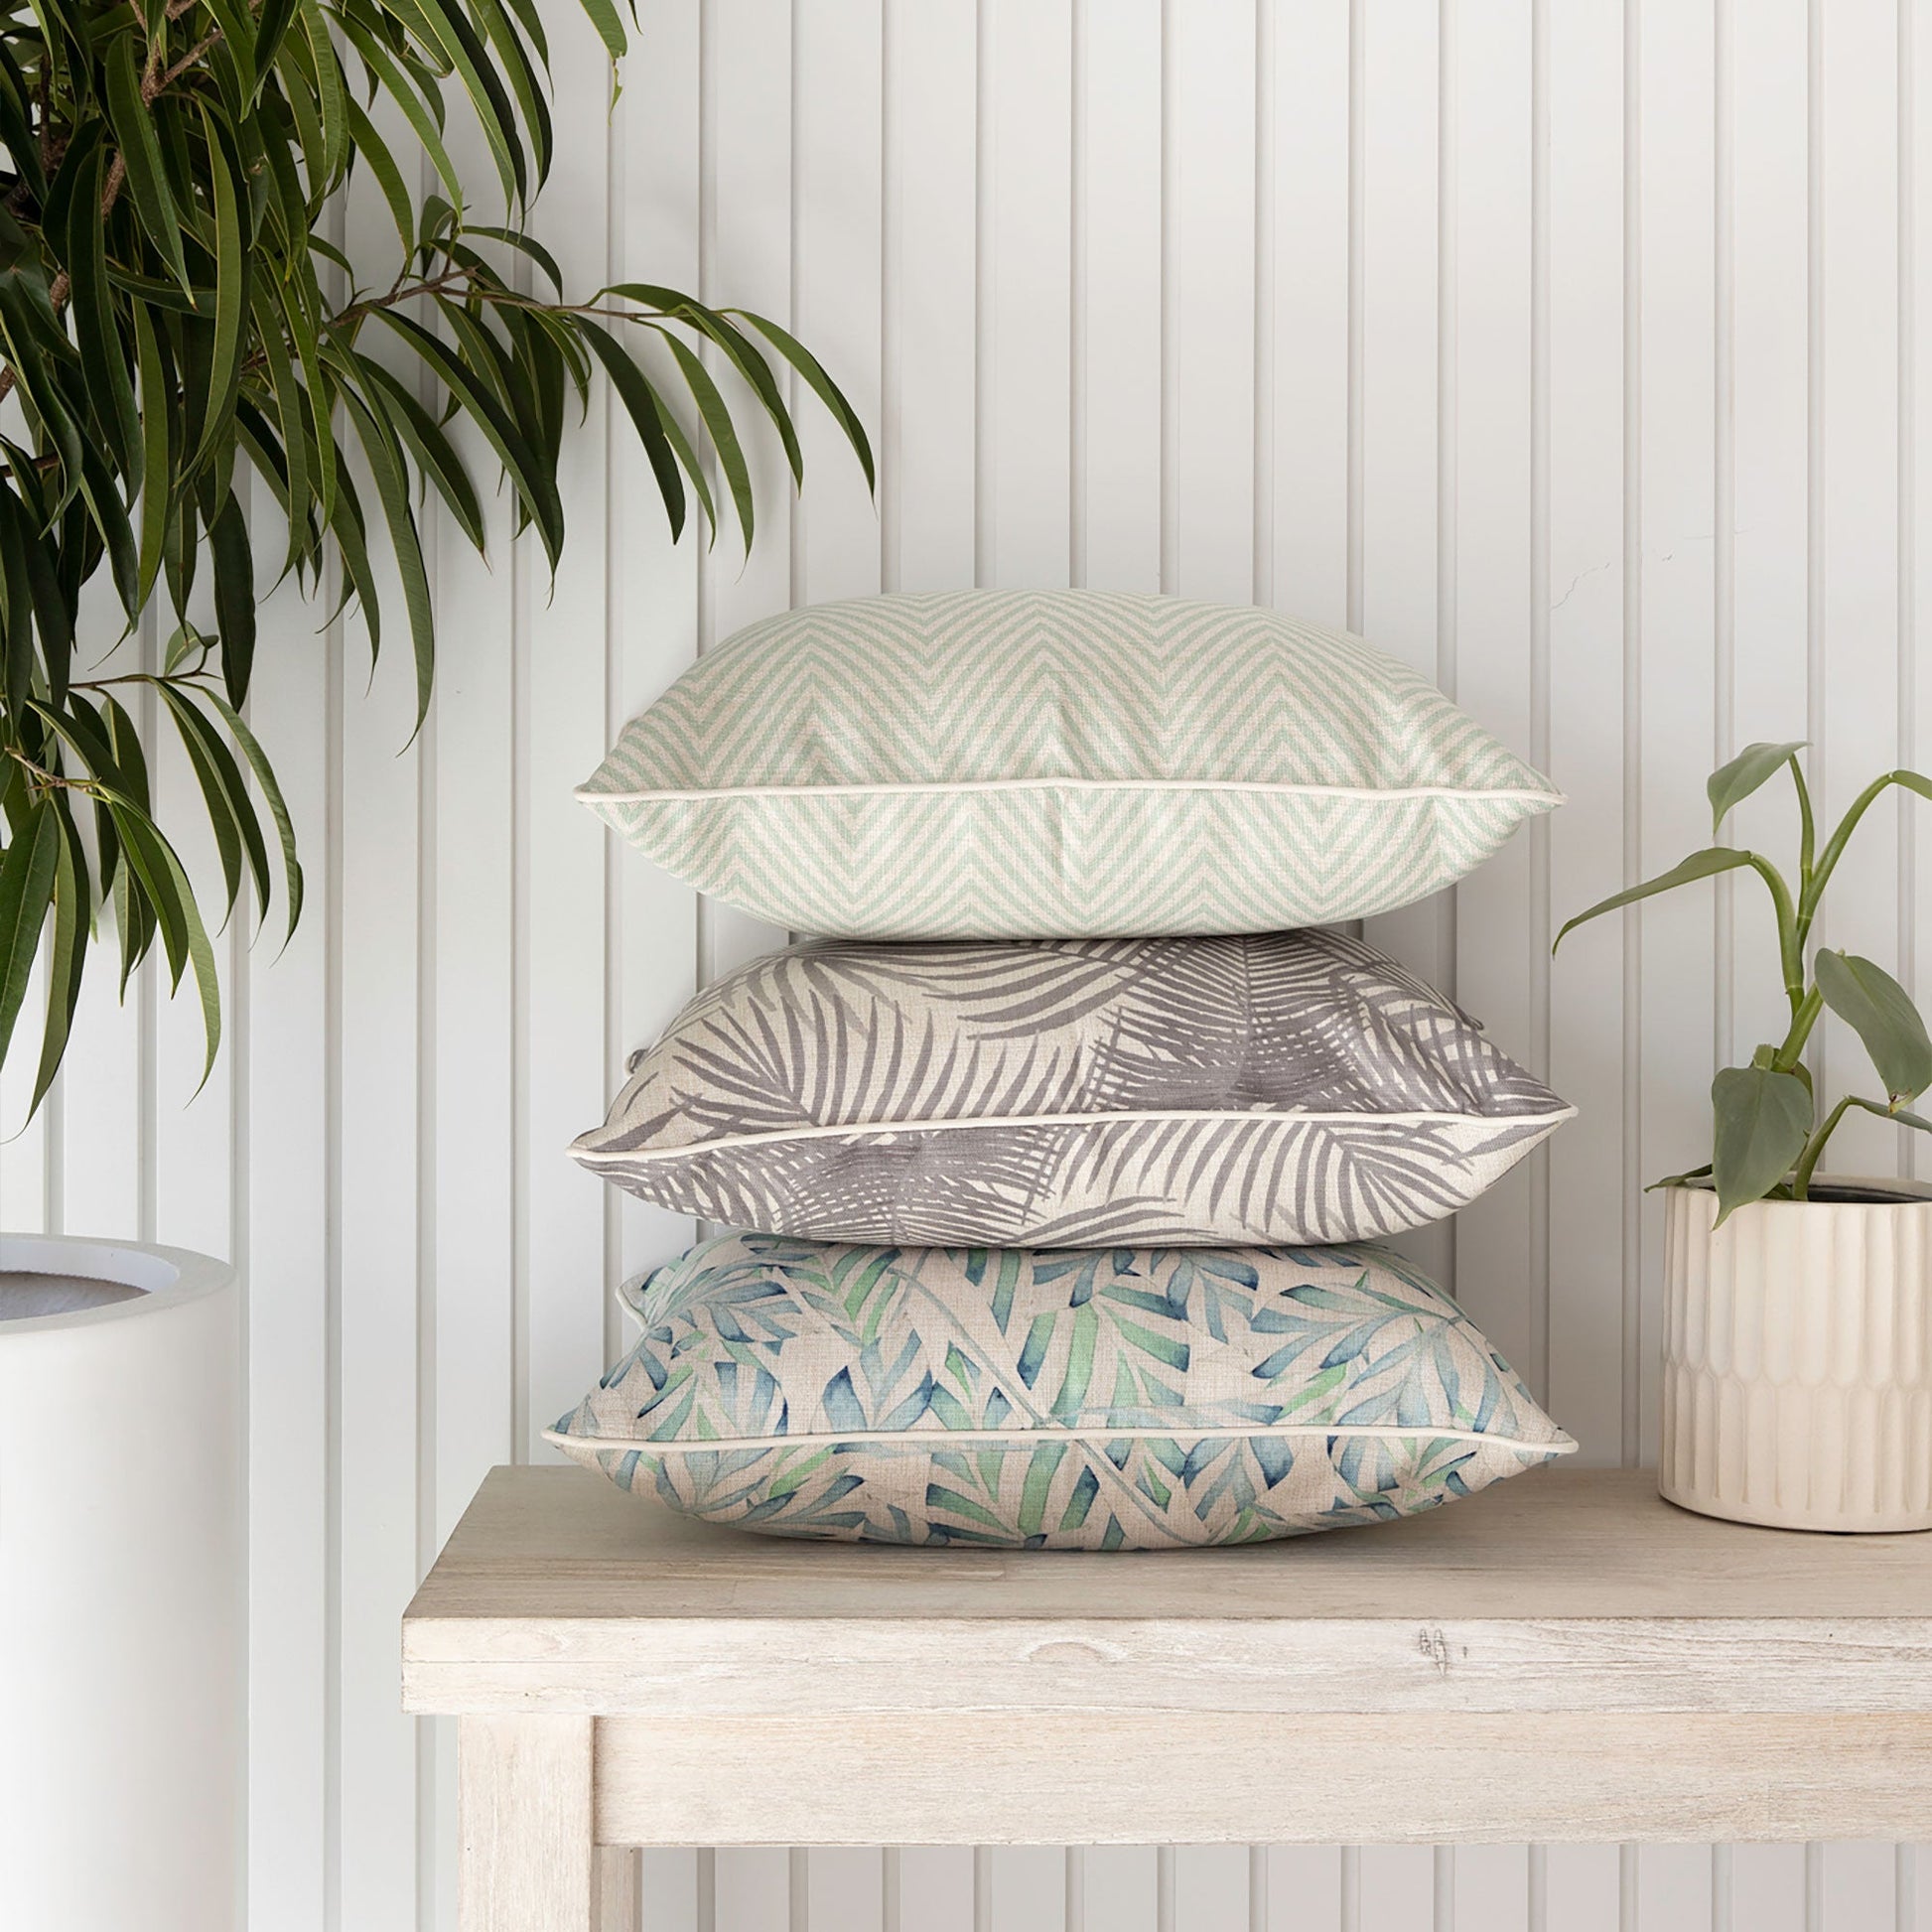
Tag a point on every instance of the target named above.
point(1120, 1398)
point(1290, 1086)
point(1013, 763)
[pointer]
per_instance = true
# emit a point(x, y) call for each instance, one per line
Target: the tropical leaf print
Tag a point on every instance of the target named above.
point(1072, 1094)
point(1108, 1398)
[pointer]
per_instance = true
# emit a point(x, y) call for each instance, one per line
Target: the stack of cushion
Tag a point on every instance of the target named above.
point(1053, 1241)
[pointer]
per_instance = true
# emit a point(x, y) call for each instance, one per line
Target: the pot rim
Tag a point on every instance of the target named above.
point(1845, 1190)
point(167, 1277)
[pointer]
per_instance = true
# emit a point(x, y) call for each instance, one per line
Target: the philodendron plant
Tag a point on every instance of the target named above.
point(1768, 1134)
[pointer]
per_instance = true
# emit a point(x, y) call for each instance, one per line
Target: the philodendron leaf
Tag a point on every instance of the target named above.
point(1731, 783)
point(1873, 1004)
point(1700, 865)
point(1764, 1120)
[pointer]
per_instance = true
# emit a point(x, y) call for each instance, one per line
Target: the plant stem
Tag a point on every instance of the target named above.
point(1813, 1149)
point(1807, 825)
point(1804, 1016)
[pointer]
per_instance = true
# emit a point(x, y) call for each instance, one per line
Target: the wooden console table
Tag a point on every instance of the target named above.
point(1565, 1656)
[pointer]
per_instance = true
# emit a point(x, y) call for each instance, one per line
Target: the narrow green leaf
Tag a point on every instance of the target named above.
point(405, 541)
point(435, 454)
point(224, 789)
point(610, 29)
point(640, 404)
point(184, 936)
point(1700, 865)
point(67, 957)
point(524, 244)
point(278, 810)
point(371, 148)
point(536, 486)
point(719, 427)
point(330, 97)
point(1880, 1011)
point(26, 873)
point(140, 147)
point(403, 92)
point(1764, 1119)
point(821, 385)
point(101, 355)
point(155, 468)
point(230, 291)
point(234, 597)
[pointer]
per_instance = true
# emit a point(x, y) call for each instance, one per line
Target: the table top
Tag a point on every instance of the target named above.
point(1555, 1543)
point(1562, 1656)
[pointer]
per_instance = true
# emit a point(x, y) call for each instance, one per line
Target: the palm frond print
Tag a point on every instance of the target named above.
point(1116, 1397)
point(1293, 1086)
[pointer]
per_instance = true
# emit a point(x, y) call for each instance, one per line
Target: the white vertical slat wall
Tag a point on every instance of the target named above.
point(1566, 347)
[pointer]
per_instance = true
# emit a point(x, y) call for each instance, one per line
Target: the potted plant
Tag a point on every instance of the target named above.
point(177, 324)
point(1797, 1366)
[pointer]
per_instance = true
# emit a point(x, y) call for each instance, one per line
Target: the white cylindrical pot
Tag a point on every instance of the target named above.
point(1798, 1358)
point(121, 1611)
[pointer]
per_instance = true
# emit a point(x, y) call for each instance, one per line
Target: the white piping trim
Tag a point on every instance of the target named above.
point(592, 794)
point(944, 1439)
point(857, 1129)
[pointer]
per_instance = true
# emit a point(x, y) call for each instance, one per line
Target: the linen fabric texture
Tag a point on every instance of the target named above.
point(1009, 764)
point(1100, 1399)
point(1292, 1086)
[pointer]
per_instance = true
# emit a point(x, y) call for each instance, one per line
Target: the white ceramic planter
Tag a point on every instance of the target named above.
point(121, 1613)
point(1798, 1358)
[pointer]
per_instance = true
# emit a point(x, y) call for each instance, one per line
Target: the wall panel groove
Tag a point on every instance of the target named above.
point(1570, 350)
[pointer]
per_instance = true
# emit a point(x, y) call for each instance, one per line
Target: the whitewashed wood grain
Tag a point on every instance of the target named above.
point(528, 1863)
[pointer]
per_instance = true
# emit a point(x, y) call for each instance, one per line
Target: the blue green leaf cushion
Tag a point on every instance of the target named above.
point(1072, 1094)
point(1079, 1399)
point(973, 764)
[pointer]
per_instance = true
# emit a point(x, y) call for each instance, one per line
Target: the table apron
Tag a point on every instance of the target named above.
point(1260, 1777)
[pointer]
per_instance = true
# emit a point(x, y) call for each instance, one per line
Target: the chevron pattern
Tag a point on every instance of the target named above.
point(1013, 764)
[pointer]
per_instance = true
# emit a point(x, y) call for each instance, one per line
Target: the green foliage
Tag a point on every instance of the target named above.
point(1768, 1139)
point(175, 321)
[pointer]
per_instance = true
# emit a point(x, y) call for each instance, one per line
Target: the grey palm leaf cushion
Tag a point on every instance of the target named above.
point(1113, 1399)
point(1289, 1086)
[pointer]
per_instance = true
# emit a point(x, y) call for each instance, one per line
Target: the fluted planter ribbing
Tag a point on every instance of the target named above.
point(1798, 1358)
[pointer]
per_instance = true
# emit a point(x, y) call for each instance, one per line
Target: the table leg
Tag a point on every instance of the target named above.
point(523, 1804)
point(620, 1876)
